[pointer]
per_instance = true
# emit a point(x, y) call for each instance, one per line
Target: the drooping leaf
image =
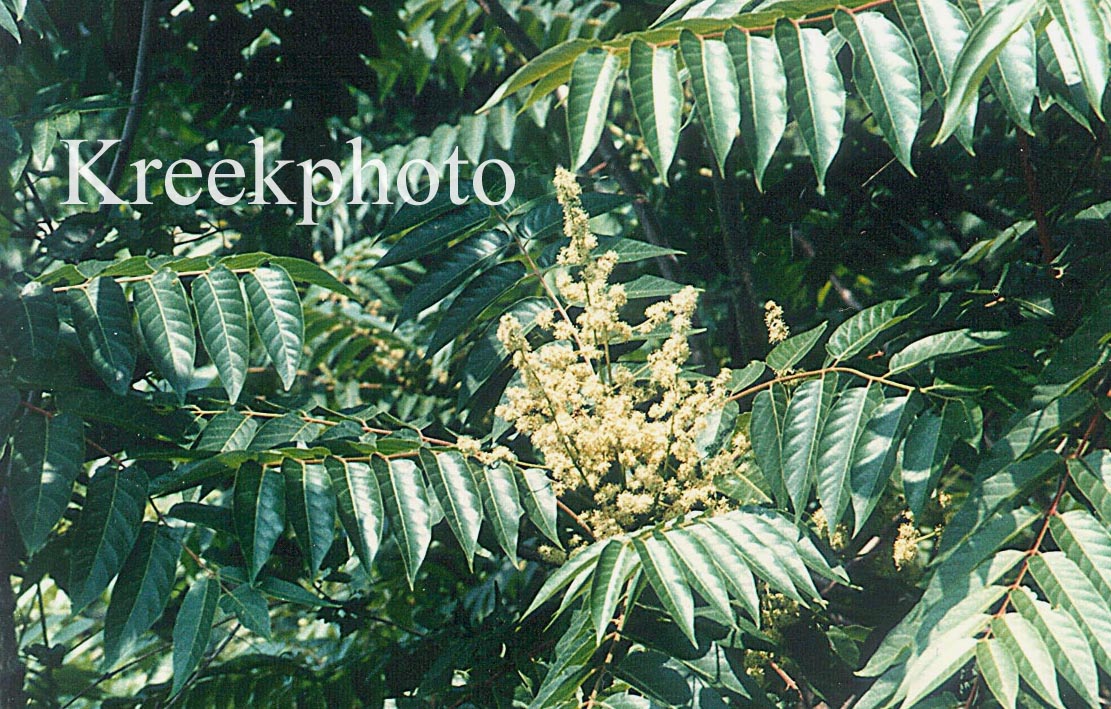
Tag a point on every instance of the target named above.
point(311, 507)
point(615, 565)
point(657, 100)
point(716, 93)
point(802, 430)
point(938, 30)
point(592, 78)
point(222, 317)
point(1031, 656)
point(1082, 26)
point(283, 430)
point(36, 325)
point(406, 503)
point(539, 499)
point(258, 506)
point(46, 456)
point(456, 488)
point(167, 327)
point(105, 531)
point(559, 56)
point(886, 75)
point(840, 436)
point(875, 455)
point(249, 607)
point(769, 410)
point(928, 441)
point(503, 504)
point(1070, 651)
point(276, 309)
point(701, 572)
point(986, 42)
point(304, 271)
point(999, 671)
point(359, 504)
point(141, 591)
point(665, 574)
point(763, 87)
point(103, 324)
point(730, 565)
point(193, 629)
point(582, 562)
point(815, 91)
point(1066, 587)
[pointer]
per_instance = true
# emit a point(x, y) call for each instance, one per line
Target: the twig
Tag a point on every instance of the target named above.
point(1036, 205)
point(787, 680)
point(817, 373)
point(138, 93)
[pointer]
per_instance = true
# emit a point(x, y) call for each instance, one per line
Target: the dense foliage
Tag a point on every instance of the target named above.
point(794, 391)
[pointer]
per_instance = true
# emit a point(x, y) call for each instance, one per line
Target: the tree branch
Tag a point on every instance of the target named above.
point(138, 94)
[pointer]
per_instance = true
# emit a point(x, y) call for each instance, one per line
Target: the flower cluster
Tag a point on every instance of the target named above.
point(619, 436)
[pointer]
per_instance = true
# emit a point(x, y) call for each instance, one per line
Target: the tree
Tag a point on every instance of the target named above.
point(463, 454)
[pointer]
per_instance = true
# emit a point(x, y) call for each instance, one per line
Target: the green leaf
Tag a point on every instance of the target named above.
point(452, 270)
point(304, 271)
point(927, 445)
point(167, 327)
point(760, 558)
point(36, 326)
point(456, 488)
point(1066, 587)
point(283, 430)
point(763, 87)
point(665, 574)
point(103, 324)
point(579, 563)
point(503, 505)
point(141, 591)
point(560, 56)
point(840, 437)
point(539, 499)
point(1035, 429)
point(615, 564)
point(999, 671)
point(886, 76)
point(481, 292)
point(46, 455)
point(1088, 544)
point(1014, 77)
point(1030, 654)
point(1092, 475)
point(276, 309)
point(802, 431)
point(588, 98)
point(730, 566)
point(657, 100)
point(193, 629)
point(655, 675)
point(359, 504)
point(1065, 641)
point(769, 410)
point(430, 236)
point(986, 42)
point(222, 316)
point(716, 93)
point(228, 431)
point(943, 345)
point(406, 502)
point(258, 505)
point(650, 286)
point(875, 454)
point(311, 507)
point(105, 531)
point(815, 92)
point(700, 570)
point(791, 351)
point(938, 31)
point(944, 658)
point(250, 609)
point(1082, 26)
